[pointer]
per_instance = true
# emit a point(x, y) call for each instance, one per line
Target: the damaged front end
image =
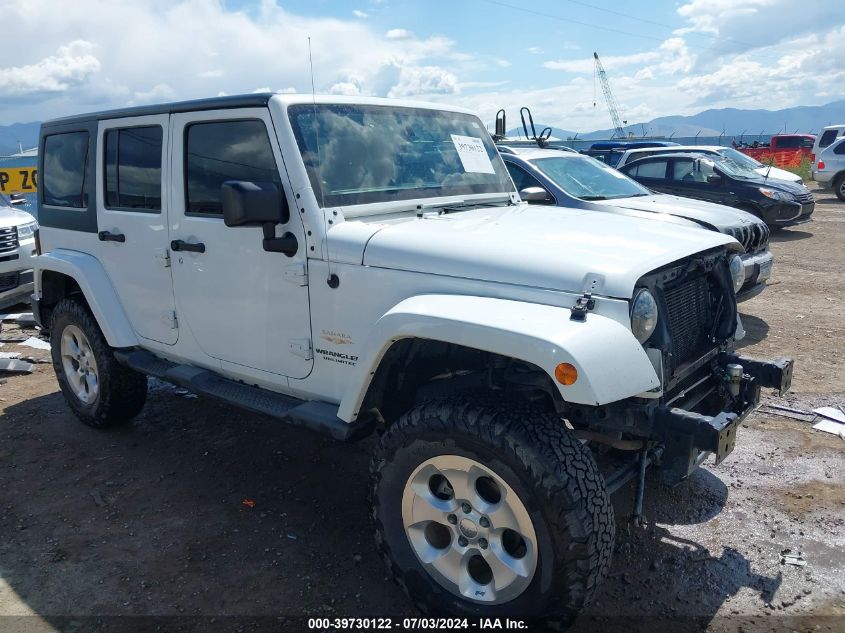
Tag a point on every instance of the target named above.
point(707, 390)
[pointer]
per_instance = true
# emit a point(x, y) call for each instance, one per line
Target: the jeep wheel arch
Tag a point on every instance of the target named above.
point(611, 364)
point(63, 272)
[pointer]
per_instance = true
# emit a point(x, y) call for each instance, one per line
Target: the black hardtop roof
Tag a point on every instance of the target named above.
point(255, 100)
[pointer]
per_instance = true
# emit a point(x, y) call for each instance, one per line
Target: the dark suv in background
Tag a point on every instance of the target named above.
point(777, 202)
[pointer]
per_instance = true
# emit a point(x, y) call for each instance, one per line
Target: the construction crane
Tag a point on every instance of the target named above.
point(608, 96)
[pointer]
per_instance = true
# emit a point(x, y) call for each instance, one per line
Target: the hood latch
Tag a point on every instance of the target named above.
point(582, 306)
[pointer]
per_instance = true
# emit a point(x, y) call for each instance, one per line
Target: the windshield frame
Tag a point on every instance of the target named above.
point(382, 199)
point(538, 164)
point(729, 155)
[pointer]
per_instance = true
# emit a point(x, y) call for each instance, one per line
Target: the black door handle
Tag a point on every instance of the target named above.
point(182, 245)
point(107, 236)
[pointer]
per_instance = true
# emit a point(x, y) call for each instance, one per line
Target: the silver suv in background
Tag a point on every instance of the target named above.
point(829, 168)
point(744, 160)
point(17, 248)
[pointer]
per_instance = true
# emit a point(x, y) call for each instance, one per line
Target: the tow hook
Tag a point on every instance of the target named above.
point(578, 312)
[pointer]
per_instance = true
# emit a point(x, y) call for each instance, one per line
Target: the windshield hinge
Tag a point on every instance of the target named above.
point(581, 307)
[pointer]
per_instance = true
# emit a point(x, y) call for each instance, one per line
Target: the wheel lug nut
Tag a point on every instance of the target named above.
point(452, 519)
point(462, 541)
point(484, 522)
point(466, 508)
point(482, 543)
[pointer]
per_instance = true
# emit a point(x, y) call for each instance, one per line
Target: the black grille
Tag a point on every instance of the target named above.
point(753, 237)
point(9, 281)
point(8, 239)
point(689, 315)
point(804, 198)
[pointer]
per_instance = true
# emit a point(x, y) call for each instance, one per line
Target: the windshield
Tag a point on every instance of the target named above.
point(739, 158)
point(589, 179)
point(360, 154)
point(735, 169)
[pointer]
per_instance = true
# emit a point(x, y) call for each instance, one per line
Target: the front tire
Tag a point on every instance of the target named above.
point(491, 510)
point(99, 390)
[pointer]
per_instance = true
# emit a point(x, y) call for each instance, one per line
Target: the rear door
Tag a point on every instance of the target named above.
point(650, 172)
point(244, 306)
point(132, 218)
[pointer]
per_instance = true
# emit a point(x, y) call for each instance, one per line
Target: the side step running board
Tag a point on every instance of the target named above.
point(317, 416)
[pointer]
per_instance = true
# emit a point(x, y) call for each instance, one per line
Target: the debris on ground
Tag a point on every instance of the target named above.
point(832, 414)
point(24, 319)
point(831, 426)
point(249, 503)
point(788, 412)
point(787, 557)
point(36, 342)
point(16, 366)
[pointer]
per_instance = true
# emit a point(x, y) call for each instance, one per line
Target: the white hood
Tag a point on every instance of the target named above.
point(778, 174)
point(527, 245)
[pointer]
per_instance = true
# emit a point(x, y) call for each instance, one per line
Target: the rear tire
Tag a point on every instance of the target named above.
point(100, 391)
point(839, 187)
point(546, 480)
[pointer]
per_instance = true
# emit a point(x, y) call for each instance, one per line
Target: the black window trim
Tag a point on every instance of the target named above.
point(106, 130)
point(70, 218)
point(188, 125)
point(645, 161)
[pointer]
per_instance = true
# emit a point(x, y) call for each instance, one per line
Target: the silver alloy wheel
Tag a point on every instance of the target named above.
point(842, 188)
point(79, 364)
point(469, 529)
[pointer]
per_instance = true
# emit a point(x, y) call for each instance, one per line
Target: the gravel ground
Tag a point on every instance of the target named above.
point(150, 520)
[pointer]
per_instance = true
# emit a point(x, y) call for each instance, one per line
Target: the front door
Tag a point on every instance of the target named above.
point(132, 220)
point(689, 178)
point(243, 305)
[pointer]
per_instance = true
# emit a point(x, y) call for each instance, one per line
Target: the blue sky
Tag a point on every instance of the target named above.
point(662, 57)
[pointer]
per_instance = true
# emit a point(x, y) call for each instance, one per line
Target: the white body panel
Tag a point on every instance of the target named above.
point(138, 267)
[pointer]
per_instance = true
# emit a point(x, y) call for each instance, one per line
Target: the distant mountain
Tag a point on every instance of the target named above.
point(733, 121)
point(12, 137)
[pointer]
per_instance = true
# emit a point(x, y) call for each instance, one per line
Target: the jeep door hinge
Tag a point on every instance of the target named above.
point(295, 274)
point(578, 312)
point(162, 256)
point(301, 347)
point(170, 319)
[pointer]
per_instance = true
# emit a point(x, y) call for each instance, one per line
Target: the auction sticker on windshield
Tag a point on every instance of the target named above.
point(473, 155)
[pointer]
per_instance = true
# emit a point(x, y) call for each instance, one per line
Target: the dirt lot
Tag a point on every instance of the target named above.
point(149, 520)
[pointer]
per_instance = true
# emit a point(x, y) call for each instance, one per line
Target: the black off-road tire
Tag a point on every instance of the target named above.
point(122, 391)
point(554, 475)
point(839, 187)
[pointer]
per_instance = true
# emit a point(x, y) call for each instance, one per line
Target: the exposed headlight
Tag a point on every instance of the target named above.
point(774, 194)
point(643, 315)
point(27, 230)
point(737, 271)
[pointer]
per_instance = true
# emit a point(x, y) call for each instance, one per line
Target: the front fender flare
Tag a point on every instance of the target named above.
point(611, 364)
point(97, 288)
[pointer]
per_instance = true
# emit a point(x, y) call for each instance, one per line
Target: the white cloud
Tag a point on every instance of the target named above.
point(399, 34)
point(587, 64)
point(424, 80)
point(159, 92)
point(360, 14)
point(534, 50)
point(71, 66)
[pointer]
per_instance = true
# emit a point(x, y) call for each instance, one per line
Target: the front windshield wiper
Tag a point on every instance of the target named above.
point(590, 198)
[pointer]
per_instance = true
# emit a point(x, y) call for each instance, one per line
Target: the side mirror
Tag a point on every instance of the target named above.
point(714, 179)
point(535, 195)
point(253, 203)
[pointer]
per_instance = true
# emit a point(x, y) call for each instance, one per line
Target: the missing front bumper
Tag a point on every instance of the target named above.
point(687, 434)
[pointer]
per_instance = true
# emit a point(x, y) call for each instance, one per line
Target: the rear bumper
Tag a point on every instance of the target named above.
point(688, 436)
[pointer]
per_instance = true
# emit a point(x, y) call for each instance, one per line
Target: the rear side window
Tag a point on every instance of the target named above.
point(225, 150)
point(828, 137)
point(65, 170)
point(133, 168)
point(650, 169)
point(840, 148)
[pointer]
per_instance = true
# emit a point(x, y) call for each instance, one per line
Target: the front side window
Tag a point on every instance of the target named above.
point(65, 170)
point(521, 178)
point(588, 179)
point(360, 154)
point(218, 151)
point(133, 168)
point(650, 169)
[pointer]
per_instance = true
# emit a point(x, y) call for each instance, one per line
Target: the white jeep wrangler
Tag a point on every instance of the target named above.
point(360, 265)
